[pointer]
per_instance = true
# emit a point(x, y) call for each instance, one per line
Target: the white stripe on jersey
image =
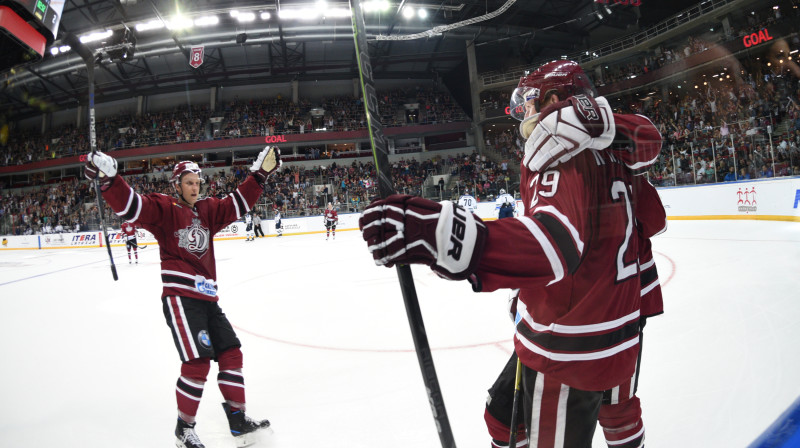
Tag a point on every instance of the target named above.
point(244, 201)
point(236, 205)
point(549, 250)
point(554, 328)
point(578, 356)
point(565, 221)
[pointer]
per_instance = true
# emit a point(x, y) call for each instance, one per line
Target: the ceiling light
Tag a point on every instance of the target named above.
point(206, 21)
point(54, 51)
point(422, 13)
point(151, 25)
point(180, 23)
point(408, 12)
point(234, 13)
point(98, 35)
point(246, 17)
point(265, 15)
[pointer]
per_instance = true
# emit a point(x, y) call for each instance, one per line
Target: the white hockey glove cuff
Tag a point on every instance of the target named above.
point(568, 127)
point(404, 229)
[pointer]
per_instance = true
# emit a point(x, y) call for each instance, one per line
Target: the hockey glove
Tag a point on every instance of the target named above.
point(568, 127)
point(102, 167)
point(267, 162)
point(404, 229)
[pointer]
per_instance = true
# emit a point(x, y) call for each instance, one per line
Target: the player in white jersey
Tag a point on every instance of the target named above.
point(248, 230)
point(468, 202)
point(505, 205)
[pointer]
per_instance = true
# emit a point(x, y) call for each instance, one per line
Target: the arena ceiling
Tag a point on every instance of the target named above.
point(284, 40)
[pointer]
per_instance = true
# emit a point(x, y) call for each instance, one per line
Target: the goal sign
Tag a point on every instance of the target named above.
point(196, 56)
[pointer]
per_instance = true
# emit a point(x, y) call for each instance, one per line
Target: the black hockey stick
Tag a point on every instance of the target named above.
point(381, 158)
point(512, 438)
point(86, 55)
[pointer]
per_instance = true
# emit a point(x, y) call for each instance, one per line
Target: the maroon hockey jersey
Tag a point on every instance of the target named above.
point(129, 230)
point(185, 235)
point(331, 215)
point(575, 257)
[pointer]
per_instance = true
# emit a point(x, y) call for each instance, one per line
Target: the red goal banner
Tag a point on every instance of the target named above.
point(196, 56)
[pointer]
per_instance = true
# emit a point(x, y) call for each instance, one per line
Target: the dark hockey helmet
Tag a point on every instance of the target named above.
point(186, 166)
point(565, 78)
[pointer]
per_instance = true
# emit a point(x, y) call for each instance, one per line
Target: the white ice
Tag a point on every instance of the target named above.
point(89, 362)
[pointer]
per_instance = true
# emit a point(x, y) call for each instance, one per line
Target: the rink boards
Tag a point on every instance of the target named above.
point(772, 200)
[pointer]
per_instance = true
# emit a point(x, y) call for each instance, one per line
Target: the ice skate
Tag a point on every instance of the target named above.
point(243, 428)
point(185, 437)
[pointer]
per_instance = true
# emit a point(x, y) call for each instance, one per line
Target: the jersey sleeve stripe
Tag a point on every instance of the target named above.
point(576, 237)
point(131, 212)
point(562, 239)
point(547, 247)
point(243, 200)
point(236, 205)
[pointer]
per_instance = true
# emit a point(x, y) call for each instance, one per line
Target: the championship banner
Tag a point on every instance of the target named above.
point(196, 56)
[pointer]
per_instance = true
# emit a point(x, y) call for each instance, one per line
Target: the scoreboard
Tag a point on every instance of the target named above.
point(44, 15)
point(27, 27)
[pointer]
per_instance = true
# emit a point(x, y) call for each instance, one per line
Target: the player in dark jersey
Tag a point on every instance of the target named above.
point(573, 253)
point(184, 226)
point(129, 229)
point(331, 218)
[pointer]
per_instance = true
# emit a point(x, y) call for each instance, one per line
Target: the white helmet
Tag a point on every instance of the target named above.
point(502, 191)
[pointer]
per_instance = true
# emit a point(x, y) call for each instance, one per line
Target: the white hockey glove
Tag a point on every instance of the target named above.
point(102, 166)
point(267, 162)
point(568, 127)
point(404, 229)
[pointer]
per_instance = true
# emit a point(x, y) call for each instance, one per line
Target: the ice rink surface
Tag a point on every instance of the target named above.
point(329, 360)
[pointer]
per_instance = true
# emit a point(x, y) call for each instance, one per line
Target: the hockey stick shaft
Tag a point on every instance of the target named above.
point(86, 55)
point(385, 188)
point(512, 438)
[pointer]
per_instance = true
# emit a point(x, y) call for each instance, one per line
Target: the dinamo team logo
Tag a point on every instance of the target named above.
point(194, 238)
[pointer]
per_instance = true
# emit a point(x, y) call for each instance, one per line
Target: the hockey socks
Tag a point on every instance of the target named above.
point(231, 385)
point(190, 386)
point(189, 391)
point(230, 379)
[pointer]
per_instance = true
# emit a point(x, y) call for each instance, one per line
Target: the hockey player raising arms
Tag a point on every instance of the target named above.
point(184, 226)
point(574, 253)
point(331, 217)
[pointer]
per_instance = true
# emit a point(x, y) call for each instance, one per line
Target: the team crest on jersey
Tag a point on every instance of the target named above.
point(194, 238)
point(204, 339)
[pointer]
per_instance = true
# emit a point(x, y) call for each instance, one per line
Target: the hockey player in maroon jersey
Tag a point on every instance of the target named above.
point(129, 229)
point(331, 217)
point(620, 411)
point(573, 254)
point(184, 226)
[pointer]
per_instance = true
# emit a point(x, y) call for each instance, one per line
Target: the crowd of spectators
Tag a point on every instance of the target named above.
point(239, 118)
point(70, 205)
